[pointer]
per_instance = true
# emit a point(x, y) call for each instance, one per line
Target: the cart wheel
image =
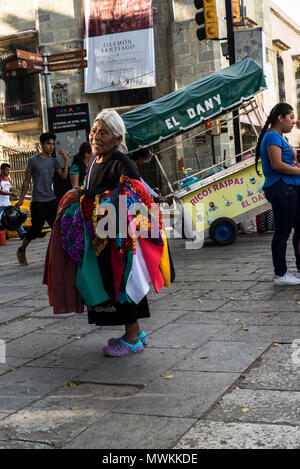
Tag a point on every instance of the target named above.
point(223, 231)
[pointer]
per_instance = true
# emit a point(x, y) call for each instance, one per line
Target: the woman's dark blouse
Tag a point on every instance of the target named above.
point(106, 175)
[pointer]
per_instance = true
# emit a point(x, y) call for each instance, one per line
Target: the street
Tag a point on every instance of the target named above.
point(221, 369)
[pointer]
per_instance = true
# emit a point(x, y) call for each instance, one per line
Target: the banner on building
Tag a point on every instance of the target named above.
point(119, 40)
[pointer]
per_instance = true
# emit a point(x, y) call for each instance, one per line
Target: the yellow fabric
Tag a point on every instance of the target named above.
point(165, 263)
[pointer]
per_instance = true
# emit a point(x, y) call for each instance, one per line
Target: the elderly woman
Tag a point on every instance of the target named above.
point(113, 270)
point(107, 139)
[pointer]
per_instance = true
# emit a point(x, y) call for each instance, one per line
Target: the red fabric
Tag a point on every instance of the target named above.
point(117, 268)
point(152, 254)
point(141, 186)
point(63, 295)
point(60, 270)
point(2, 237)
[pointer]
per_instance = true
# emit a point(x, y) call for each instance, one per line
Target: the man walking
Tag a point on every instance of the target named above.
point(41, 168)
point(5, 193)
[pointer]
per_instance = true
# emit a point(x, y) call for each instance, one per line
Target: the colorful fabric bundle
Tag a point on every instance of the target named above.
point(137, 258)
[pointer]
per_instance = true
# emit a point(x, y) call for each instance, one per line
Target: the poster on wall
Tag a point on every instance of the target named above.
point(71, 124)
point(119, 40)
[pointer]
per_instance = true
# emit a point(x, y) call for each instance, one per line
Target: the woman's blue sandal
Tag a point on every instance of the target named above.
point(121, 348)
point(142, 337)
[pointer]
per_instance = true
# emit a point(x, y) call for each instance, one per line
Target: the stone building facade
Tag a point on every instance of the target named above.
point(56, 26)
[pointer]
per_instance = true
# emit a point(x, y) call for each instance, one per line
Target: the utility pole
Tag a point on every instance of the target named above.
point(46, 76)
point(231, 54)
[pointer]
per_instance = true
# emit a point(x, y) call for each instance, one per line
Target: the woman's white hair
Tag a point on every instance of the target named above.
point(116, 124)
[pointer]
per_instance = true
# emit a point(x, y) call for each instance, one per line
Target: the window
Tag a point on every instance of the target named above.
point(298, 91)
point(280, 74)
point(131, 97)
point(19, 88)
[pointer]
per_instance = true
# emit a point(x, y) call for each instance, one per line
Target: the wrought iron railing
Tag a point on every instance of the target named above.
point(17, 160)
point(10, 111)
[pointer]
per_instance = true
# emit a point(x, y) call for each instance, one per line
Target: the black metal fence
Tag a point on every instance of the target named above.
point(17, 160)
point(9, 111)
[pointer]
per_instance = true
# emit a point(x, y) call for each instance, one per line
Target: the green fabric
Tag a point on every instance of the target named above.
point(195, 103)
point(74, 169)
point(88, 279)
point(71, 210)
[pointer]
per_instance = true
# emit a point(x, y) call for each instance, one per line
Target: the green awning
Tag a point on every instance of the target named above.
point(193, 104)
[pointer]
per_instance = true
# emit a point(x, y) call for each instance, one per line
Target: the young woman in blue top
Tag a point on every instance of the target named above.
point(80, 163)
point(282, 187)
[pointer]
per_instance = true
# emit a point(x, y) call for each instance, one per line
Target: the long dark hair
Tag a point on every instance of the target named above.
point(281, 109)
point(85, 147)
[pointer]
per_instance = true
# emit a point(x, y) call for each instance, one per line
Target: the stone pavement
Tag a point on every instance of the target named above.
point(221, 369)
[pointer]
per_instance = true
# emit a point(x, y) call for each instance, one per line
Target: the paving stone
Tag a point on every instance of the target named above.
point(225, 284)
point(226, 332)
point(150, 432)
point(87, 395)
point(137, 369)
point(284, 319)
point(289, 293)
point(187, 336)
point(178, 302)
point(279, 369)
point(267, 333)
point(36, 302)
point(76, 325)
point(179, 394)
point(219, 435)
point(7, 296)
point(22, 445)
point(21, 327)
point(158, 319)
point(11, 363)
point(79, 353)
point(25, 385)
point(33, 424)
point(117, 385)
point(246, 295)
point(47, 312)
point(9, 313)
point(209, 317)
point(219, 276)
point(276, 407)
point(234, 357)
point(262, 306)
point(35, 345)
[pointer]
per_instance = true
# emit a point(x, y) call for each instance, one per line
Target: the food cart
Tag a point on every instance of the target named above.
point(230, 195)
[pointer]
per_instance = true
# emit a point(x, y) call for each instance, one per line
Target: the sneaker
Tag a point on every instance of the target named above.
point(123, 348)
point(287, 279)
point(142, 337)
point(21, 255)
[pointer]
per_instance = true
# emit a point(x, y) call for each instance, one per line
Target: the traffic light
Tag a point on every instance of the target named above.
point(207, 19)
point(236, 11)
point(208, 126)
point(222, 127)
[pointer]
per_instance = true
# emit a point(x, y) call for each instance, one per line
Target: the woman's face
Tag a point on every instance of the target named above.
point(287, 123)
point(102, 140)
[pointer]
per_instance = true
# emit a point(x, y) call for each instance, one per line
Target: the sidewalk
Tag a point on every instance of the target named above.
point(219, 371)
